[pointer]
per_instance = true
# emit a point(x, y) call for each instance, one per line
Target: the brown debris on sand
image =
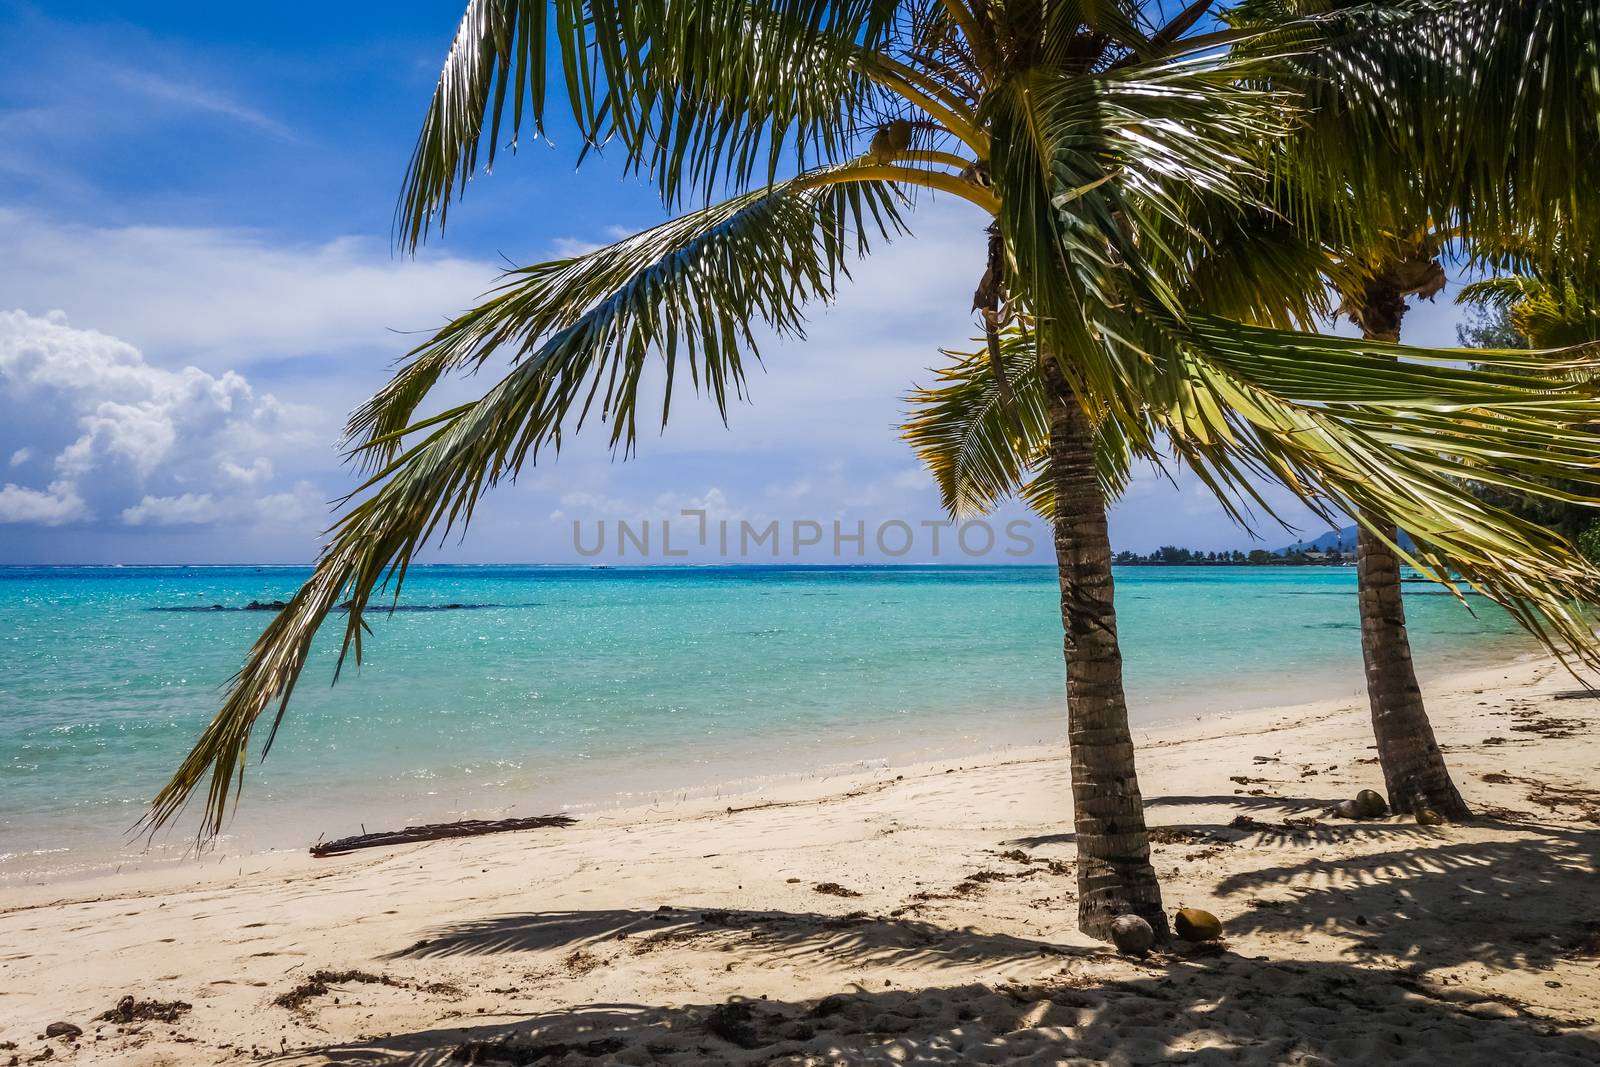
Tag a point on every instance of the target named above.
point(1178, 835)
point(321, 983)
point(833, 889)
point(436, 832)
point(1553, 798)
point(129, 1010)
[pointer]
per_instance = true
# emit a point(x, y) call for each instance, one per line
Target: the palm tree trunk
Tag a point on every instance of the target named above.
point(1414, 771)
point(1115, 876)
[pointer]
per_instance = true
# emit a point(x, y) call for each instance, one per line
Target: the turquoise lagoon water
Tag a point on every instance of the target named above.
point(581, 688)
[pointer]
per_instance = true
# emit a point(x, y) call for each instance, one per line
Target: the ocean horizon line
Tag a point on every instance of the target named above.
point(793, 565)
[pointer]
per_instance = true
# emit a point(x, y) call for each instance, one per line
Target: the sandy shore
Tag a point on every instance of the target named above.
point(920, 915)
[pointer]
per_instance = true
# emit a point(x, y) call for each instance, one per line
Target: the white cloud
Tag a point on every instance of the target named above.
point(21, 456)
point(156, 446)
point(191, 96)
point(259, 471)
point(190, 509)
point(56, 506)
point(300, 505)
point(225, 298)
point(567, 247)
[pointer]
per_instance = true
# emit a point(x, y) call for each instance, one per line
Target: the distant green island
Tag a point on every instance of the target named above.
point(1336, 548)
point(1173, 556)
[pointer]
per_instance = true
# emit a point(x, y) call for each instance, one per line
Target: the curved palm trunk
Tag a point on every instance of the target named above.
point(1414, 771)
point(1115, 876)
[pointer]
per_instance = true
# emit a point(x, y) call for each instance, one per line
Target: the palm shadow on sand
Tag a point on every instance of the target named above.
point(1268, 813)
point(1423, 903)
point(856, 938)
point(1521, 902)
point(1221, 1009)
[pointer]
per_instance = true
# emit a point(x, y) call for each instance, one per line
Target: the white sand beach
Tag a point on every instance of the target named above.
point(921, 915)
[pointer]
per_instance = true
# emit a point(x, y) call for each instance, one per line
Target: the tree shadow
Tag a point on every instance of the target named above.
point(857, 938)
point(1264, 821)
point(1505, 903)
point(1221, 1009)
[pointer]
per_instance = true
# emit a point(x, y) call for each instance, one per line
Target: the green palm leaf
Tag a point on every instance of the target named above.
point(1346, 425)
point(984, 443)
point(693, 92)
point(692, 289)
point(1472, 113)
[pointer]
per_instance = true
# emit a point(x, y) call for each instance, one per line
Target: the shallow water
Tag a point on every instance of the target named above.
point(570, 687)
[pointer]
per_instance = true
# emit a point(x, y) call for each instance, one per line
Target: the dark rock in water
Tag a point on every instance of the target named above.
point(279, 605)
point(66, 1030)
point(1429, 817)
point(1347, 809)
point(1192, 924)
point(1371, 805)
point(1132, 935)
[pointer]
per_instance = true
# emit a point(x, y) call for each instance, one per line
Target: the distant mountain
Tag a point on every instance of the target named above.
point(1344, 540)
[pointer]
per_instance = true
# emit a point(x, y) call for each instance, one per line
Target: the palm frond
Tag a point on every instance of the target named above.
point(1502, 293)
point(1476, 115)
point(984, 444)
point(1547, 314)
point(692, 289)
point(1349, 428)
point(1098, 180)
point(693, 92)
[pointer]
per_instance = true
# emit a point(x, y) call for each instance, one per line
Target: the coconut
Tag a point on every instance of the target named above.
point(1132, 935)
point(1346, 809)
point(1370, 804)
point(1429, 817)
point(1192, 924)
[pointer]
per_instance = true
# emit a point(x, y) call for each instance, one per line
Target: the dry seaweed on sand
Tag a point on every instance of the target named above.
point(129, 1010)
point(321, 983)
point(1178, 835)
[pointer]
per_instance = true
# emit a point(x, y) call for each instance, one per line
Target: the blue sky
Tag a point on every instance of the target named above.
point(196, 285)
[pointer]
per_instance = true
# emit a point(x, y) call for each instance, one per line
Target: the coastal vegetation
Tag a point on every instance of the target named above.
point(1515, 309)
point(1145, 287)
point(1173, 556)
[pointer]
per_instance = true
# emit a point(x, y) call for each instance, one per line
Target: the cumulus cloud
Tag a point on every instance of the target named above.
point(143, 444)
point(186, 510)
point(55, 506)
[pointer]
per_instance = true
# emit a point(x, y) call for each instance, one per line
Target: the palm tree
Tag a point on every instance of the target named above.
point(1546, 313)
point(1354, 127)
point(1507, 101)
point(1088, 134)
